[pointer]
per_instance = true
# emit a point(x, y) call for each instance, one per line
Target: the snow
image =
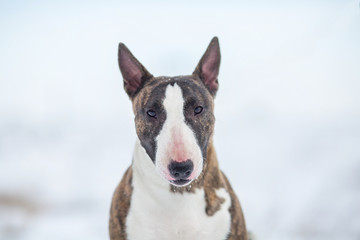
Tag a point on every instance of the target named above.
point(288, 110)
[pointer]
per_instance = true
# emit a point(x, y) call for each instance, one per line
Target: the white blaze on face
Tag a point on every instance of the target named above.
point(176, 141)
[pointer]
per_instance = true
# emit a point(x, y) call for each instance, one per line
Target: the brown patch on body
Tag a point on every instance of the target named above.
point(120, 206)
point(238, 227)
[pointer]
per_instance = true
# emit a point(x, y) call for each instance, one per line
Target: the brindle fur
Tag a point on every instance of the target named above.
point(211, 177)
point(120, 206)
point(154, 89)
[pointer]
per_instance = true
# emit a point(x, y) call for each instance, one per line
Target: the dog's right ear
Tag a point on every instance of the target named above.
point(133, 72)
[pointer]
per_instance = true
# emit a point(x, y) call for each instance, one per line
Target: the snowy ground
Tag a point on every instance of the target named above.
point(288, 110)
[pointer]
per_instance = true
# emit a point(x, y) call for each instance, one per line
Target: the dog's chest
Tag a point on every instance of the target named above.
point(163, 215)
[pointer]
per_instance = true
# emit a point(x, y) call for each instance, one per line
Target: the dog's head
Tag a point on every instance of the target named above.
point(174, 116)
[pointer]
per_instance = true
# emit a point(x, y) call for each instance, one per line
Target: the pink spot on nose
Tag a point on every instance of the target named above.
point(177, 150)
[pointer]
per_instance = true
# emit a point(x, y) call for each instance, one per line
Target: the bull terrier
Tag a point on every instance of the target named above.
point(174, 188)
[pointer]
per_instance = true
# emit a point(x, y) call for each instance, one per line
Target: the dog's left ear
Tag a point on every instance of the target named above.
point(208, 67)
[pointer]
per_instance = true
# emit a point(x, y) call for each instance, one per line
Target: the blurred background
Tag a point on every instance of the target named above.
point(288, 109)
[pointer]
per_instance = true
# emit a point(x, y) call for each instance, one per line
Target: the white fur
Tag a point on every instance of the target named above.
point(156, 213)
point(175, 125)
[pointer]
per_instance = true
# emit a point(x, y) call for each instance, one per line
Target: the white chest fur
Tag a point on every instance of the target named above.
point(157, 214)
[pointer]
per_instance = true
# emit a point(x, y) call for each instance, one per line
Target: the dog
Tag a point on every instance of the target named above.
point(174, 188)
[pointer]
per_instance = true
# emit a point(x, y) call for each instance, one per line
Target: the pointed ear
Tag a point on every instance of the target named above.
point(134, 74)
point(208, 67)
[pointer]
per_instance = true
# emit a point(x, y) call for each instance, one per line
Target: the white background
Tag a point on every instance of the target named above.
point(288, 109)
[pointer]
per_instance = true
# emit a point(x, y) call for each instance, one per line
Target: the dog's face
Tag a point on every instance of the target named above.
point(174, 116)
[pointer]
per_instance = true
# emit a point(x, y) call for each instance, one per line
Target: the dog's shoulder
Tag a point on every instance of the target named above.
point(120, 206)
point(238, 228)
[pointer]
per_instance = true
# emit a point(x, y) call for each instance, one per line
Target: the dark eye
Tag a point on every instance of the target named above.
point(151, 113)
point(198, 110)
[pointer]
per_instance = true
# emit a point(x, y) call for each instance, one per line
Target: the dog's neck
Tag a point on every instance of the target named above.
point(145, 172)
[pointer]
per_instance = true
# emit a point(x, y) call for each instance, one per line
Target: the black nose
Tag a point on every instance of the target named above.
point(181, 170)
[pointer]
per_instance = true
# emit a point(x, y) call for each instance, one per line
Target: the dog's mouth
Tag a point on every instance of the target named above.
point(180, 182)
